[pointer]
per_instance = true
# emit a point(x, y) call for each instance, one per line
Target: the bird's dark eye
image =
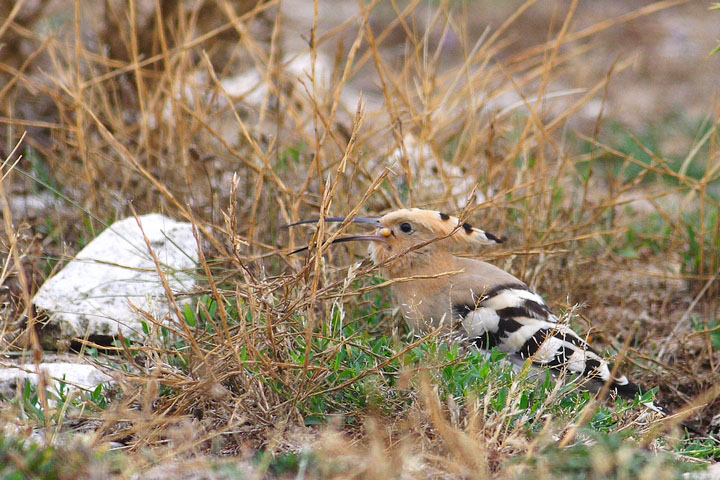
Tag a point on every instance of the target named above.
point(405, 227)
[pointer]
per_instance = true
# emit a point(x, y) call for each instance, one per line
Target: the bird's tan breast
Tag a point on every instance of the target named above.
point(427, 303)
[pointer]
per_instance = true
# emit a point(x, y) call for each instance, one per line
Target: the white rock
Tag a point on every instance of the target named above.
point(711, 473)
point(425, 167)
point(78, 375)
point(92, 294)
point(32, 205)
point(250, 86)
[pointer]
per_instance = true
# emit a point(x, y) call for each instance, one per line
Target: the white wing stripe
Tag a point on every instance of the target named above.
point(511, 298)
point(479, 321)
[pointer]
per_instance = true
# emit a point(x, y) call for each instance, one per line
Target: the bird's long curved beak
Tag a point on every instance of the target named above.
point(373, 222)
point(365, 238)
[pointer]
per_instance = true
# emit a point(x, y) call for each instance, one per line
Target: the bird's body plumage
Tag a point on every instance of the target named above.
point(491, 308)
point(487, 306)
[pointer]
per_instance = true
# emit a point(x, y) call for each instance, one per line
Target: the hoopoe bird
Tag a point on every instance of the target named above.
point(486, 305)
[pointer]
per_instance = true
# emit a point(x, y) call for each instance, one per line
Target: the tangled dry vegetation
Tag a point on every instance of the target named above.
point(206, 112)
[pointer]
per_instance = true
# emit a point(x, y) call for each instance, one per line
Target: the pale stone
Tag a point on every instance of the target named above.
point(452, 183)
point(75, 375)
point(711, 473)
point(92, 295)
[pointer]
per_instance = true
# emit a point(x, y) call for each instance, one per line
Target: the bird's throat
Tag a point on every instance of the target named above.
point(424, 261)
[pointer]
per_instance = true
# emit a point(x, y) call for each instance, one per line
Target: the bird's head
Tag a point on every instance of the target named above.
point(413, 233)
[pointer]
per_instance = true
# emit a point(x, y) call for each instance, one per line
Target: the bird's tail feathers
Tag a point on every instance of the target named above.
point(629, 390)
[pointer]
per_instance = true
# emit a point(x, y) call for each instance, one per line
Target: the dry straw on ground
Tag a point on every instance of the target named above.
point(136, 112)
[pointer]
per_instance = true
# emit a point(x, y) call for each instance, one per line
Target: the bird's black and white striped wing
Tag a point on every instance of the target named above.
point(517, 321)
